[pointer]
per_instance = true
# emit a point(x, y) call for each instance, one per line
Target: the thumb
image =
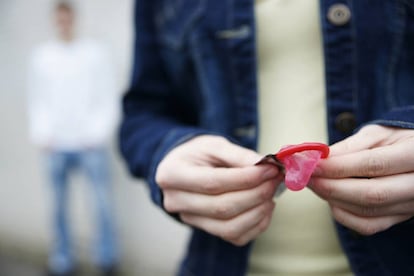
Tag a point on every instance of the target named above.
point(367, 137)
point(233, 155)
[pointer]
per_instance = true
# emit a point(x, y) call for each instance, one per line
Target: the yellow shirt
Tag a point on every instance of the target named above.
point(301, 239)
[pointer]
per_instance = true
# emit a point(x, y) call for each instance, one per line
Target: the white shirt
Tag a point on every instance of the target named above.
point(72, 96)
point(301, 238)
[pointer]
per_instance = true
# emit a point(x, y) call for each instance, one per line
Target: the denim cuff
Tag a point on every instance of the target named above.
point(402, 117)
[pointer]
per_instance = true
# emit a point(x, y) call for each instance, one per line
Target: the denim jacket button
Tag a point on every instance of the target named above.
point(345, 122)
point(339, 14)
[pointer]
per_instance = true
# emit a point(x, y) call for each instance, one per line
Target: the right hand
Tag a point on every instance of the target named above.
point(215, 186)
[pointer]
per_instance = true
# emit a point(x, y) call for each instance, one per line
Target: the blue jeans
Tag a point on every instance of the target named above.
point(94, 164)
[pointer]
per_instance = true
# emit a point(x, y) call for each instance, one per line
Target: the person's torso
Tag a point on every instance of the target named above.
point(68, 75)
point(209, 52)
point(208, 49)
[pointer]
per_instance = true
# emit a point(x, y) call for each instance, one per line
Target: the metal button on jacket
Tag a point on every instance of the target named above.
point(339, 14)
point(345, 122)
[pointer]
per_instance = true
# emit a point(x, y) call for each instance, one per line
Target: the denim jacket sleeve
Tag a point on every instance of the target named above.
point(153, 122)
point(402, 117)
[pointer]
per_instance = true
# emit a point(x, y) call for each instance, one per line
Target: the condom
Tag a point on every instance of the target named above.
point(298, 162)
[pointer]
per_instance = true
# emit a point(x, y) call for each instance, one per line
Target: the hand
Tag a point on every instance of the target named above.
point(213, 185)
point(369, 179)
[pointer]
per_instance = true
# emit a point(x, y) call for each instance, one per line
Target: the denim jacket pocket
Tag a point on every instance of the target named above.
point(175, 18)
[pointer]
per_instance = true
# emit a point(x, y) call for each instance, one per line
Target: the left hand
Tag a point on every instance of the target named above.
point(368, 180)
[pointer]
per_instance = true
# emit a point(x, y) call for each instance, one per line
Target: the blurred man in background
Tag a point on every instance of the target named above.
point(73, 111)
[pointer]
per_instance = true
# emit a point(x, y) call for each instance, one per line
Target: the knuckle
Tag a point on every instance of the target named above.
point(339, 171)
point(376, 165)
point(328, 192)
point(243, 240)
point(248, 179)
point(266, 192)
point(262, 212)
point(375, 197)
point(223, 211)
point(368, 211)
point(364, 227)
point(266, 209)
point(337, 215)
point(170, 204)
point(368, 229)
point(231, 233)
point(210, 186)
point(162, 178)
point(186, 219)
point(324, 190)
point(264, 224)
point(240, 242)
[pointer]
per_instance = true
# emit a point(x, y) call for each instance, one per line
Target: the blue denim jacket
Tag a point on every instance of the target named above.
point(195, 72)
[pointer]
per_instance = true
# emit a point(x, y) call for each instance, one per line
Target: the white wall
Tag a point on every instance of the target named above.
point(152, 243)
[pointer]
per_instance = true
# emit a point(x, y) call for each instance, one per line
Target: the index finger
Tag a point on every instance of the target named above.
point(365, 138)
point(207, 180)
point(380, 161)
point(374, 192)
